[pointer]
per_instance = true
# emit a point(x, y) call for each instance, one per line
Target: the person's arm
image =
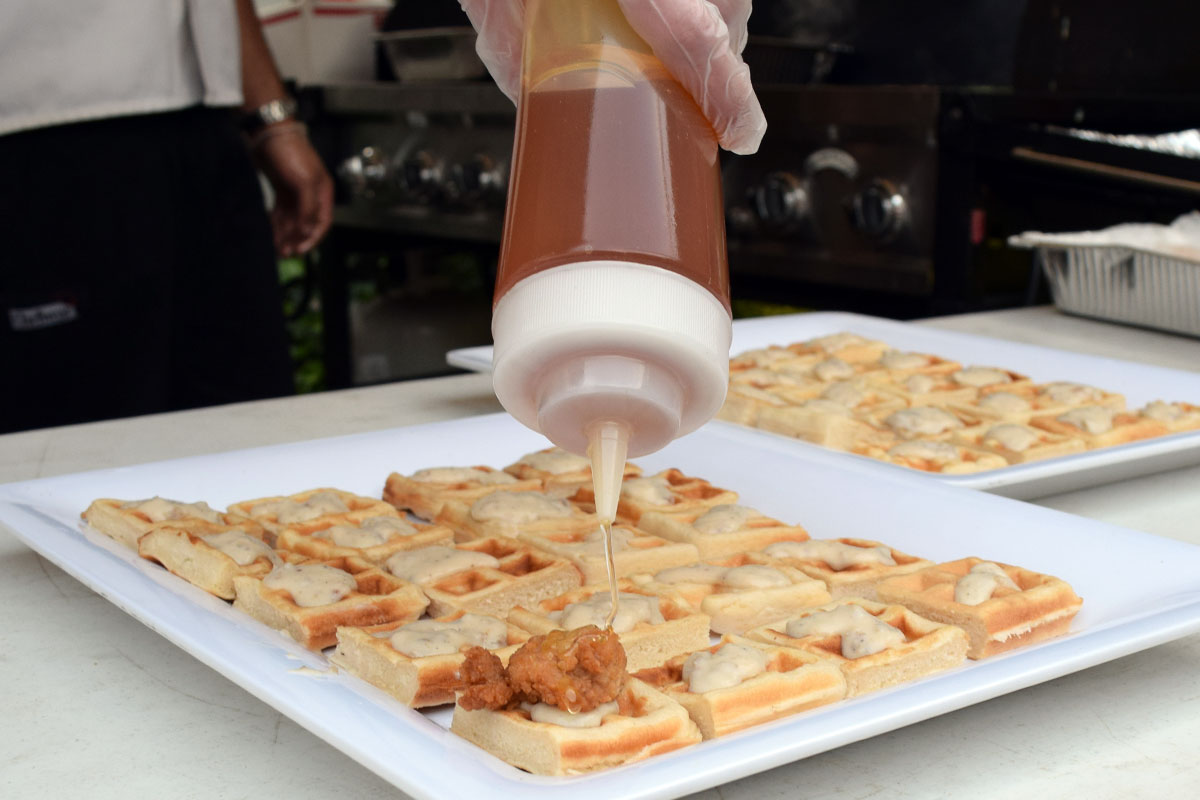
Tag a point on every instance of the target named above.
point(303, 189)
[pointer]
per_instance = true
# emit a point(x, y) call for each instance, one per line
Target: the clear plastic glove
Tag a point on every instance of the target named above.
point(699, 41)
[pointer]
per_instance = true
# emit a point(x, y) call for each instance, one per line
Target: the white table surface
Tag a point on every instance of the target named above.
point(98, 706)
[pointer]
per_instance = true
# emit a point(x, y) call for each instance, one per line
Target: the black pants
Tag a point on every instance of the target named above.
point(137, 272)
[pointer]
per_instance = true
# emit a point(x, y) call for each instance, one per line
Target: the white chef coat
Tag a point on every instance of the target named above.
point(73, 60)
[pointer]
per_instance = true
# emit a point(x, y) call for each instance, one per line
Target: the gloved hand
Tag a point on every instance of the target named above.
point(699, 41)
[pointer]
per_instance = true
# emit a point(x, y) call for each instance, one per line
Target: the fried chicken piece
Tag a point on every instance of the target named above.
point(575, 670)
point(486, 683)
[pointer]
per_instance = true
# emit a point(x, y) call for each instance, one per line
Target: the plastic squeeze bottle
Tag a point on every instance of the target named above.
point(611, 319)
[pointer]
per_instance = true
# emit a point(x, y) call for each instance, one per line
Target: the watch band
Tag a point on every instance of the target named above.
point(269, 113)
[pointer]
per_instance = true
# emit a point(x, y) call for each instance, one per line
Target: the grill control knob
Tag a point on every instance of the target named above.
point(880, 211)
point(481, 178)
point(364, 173)
point(422, 176)
point(781, 200)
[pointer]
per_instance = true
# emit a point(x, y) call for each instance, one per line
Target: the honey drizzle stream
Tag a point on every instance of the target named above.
point(606, 529)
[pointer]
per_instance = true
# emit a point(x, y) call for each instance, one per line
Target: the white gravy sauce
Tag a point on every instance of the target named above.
point(287, 511)
point(1163, 412)
point(311, 584)
point(631, 609)
point(909, 422)
point(427, 564)
point(430, 637)
point(833, 369)
point(369, 533)
point(732, 664)
point(241, 547)
point(541, 712)
point(1017, 438)
point(556, 461)
point(838, 555)
point(897, 359)
point(159, 509)
point(1067, 393)
point(653, 490)
point(725, 518)
point(981, 583)
point(862, 633)
point(485, 477)
point(1093, 419)
point(519, 507)
point(845, 392)
point(919, 384)
point(981, 376)
point(1005, 403)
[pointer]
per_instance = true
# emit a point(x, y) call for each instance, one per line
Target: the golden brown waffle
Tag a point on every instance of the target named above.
point(744, 404)
point(209, 555)
point(126, 521)
point(1017, 443)
point(991, 379)
point(321, 543)
point(377, 599)
point(510, 573)
point(921, 389)
point(1042, 607)
point(311, 510)
point(794, 681)
point(634, 550)
point(567, 473)
point(649, 723)
point(425, 498)
point(853, 580)
point(682, 493)
point(928, 647)
point(533, 512)
point(849, 347)
point(745, 531)
point(1178, 417)
point(1126, 427)
point(827, 425)
point(646, 644)
point(773, 357)
point(739, 592)
point(416, 681)
point(944, 457)
point(928, 423)
point(1052, 399)
point(893, 366)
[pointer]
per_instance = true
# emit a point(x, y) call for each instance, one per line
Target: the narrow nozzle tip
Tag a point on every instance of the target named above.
point(608, 443)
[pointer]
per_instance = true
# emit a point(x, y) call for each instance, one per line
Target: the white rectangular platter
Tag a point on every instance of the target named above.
point(1139, 383)
point(1138, 590)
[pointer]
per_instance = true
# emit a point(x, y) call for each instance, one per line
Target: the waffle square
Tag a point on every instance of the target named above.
point(793, 681)
point(210, 555)
point(991, 379)
point(1098, 426)
point(722, 530)
point(646, 644)
point(846, 572)
point(929, 423)
point(485, 576)
point(416, 681)
point(513, 513)
point(1059, 397)
point(1042, 607)
point(311, 510)
point(669, 490)
point(849, 347)
point(1178, 417)
point(739, 592)
point(634, 550)
point(774, 357)
point(427, 490)
point(944, 457)
point(126, 521)
point(1017, 443)
point(928, 647)
point(372, 538)
point(376, 599)
point(826, 423)
point(893, 366)
point(649, 723)
point(561, 473)
point(925, 389)
point(744, 404)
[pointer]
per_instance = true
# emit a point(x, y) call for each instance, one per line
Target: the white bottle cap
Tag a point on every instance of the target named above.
point(602, 341)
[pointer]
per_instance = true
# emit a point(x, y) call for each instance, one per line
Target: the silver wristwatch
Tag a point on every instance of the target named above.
point(269, 113)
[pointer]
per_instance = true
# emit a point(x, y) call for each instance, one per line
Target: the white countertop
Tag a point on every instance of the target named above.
point(99, 706)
